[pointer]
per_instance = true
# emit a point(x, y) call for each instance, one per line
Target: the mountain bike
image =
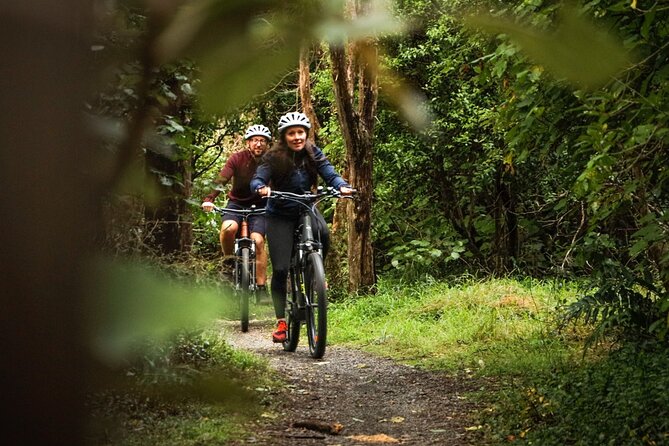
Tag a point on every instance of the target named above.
point(307, 293)
point(244, 271)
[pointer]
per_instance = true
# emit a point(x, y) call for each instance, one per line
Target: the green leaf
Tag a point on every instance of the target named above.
point(648, 19)
point(226, 86)
point(577, 50)
point(132, 302)
point(435, 253)
point(378, 22)
point(638, 247)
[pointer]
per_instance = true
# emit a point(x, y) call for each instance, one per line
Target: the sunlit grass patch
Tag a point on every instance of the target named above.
point(491, 326)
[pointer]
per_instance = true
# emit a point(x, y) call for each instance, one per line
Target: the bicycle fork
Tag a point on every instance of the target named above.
point(297, 289)
point(245, 241)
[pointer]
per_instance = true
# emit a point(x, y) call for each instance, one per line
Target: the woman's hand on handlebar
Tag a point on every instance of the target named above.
point(264, 191)
point(207, 206)
point(345, 190)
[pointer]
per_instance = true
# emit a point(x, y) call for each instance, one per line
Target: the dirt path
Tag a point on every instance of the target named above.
point(367, 399)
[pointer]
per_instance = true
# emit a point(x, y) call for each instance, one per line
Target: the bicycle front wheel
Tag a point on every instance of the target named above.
point(316, 304)
point(244, 291)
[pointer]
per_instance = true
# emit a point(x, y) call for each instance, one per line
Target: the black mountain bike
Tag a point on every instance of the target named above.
point(307, 294)
point(244, 273)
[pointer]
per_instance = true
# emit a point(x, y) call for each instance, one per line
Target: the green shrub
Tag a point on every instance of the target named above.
point(622, 399)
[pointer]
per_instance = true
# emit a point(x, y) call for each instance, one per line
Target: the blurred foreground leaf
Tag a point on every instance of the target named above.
point(576, 50)
point(130, 302)
point(244, 47)
point(332, 27)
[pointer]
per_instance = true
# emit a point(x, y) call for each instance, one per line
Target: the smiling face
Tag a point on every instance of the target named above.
point(296, 137)
point(257, 145)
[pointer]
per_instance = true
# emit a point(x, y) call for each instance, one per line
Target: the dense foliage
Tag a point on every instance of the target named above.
point(524, 171)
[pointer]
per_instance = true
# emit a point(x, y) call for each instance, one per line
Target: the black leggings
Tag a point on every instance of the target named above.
point(280, 231)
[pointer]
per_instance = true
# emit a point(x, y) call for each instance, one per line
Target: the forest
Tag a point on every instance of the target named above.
point(519, 139)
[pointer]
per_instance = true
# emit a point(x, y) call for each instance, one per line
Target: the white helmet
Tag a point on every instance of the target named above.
point(258, 130)
point(293, 118)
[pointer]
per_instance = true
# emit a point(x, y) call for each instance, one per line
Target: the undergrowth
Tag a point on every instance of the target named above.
point(159, 384)
point(623, 399)
point(192, 390)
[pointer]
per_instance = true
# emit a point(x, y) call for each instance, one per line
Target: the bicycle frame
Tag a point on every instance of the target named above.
point(304, 243)
point(244, 275)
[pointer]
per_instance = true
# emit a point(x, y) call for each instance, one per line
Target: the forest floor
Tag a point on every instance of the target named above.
point(350, 397)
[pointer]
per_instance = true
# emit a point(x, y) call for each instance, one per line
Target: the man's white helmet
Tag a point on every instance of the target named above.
point(258, 130)
point(293, 118)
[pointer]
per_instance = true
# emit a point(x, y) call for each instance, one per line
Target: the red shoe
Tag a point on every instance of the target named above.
point(280, 333)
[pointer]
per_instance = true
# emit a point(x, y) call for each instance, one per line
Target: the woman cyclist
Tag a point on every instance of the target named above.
point(293, 164)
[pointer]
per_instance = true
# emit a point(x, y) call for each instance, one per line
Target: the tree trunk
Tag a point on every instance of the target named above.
point(168, 233)
point(50, 214)
point(506, 243)
point(168, 220)
point(357, 62)
point(185, 212)
point(305, 93)
point(339, 227)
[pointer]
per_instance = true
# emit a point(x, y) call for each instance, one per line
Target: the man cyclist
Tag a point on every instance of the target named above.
point(240, 168)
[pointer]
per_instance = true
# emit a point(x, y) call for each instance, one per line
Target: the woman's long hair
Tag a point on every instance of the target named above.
point(283, 161)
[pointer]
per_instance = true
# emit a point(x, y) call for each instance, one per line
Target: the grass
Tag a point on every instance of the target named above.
point(157, 383)
point(496, 327)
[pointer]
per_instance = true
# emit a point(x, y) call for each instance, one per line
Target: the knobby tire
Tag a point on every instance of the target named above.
point(292, 319)
point(316, 310)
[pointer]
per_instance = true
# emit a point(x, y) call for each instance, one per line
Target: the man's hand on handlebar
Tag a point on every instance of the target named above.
point(208, 206)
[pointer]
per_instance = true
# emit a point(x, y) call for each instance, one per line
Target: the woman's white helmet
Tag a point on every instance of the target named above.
point(293, 118)
point(258, 130)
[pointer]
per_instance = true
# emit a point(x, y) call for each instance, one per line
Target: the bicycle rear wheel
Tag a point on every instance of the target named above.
point(316, 305)
point(292, 318)
point(244, 292)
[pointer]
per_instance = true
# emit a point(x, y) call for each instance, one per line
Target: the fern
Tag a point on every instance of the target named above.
point(615, 306)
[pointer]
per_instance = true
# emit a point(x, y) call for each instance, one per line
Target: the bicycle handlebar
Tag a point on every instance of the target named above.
point(242, 212)
point(309, 200)
point(310, 196)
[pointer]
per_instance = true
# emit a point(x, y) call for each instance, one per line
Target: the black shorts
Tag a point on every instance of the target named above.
point(256, 222)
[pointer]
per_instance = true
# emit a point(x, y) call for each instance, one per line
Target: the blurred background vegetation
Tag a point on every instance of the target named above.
point(519, 138)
